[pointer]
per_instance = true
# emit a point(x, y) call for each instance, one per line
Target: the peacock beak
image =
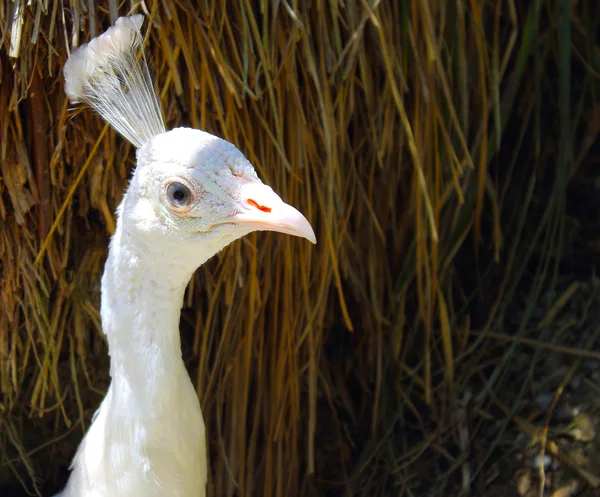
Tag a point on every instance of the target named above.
point(263, 210)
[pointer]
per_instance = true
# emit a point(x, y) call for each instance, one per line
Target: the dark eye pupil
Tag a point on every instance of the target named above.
point(178, 194)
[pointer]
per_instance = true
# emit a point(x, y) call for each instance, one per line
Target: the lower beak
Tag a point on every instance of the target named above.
point(265, 211)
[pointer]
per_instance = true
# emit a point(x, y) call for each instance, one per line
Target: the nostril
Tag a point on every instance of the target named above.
point(258, 206)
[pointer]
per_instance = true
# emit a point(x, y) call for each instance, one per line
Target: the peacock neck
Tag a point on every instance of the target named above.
point(142, 295)
point(148, 434)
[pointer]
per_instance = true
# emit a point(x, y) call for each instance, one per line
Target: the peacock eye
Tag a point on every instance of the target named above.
point(179, 195)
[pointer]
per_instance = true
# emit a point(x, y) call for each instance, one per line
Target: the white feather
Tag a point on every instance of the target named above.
point(110, 75)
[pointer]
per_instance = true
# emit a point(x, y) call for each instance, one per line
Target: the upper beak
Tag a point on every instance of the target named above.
point(263, 210)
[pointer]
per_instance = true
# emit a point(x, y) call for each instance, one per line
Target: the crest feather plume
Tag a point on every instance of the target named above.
point(110, 73)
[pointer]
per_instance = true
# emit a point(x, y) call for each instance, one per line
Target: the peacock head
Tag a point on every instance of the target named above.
point(191, 186)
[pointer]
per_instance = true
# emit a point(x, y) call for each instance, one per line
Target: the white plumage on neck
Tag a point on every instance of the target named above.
point(148, 437)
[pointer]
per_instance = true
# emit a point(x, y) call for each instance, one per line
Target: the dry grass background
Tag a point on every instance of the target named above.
point(415, 135)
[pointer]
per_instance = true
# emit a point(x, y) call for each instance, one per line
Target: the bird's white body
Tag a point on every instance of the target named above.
point(148, 436)
point(141, 451)
point(191, 195)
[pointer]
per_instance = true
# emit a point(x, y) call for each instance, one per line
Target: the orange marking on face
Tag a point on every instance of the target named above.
point(259, 207)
